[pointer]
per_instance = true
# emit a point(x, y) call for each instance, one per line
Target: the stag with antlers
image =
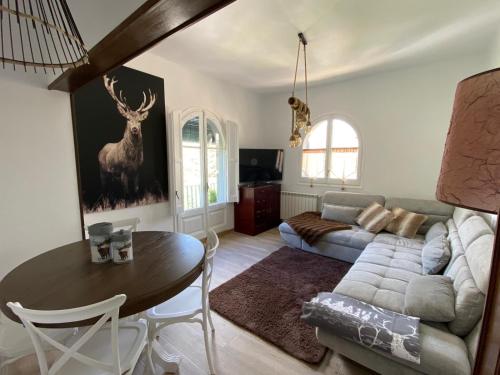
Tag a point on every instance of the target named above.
point(122, 160)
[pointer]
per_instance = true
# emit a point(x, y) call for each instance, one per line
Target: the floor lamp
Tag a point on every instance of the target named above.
point(470, 178)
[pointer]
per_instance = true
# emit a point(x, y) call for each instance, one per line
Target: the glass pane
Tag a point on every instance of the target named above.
point(345, 148)
point(314, 152)
point(191, 164)
point(215, 164)
point(214, 138)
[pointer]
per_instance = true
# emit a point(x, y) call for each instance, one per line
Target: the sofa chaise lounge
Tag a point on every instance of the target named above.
point(385, 263)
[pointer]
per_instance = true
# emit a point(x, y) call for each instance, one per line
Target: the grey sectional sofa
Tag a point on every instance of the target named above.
point(385, 263)
point(348, 245)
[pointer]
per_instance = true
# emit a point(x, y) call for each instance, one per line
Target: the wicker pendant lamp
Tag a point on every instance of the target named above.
point(301, 115)
point(39, 34)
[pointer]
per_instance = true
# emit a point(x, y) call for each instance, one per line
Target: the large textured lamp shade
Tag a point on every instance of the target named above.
point(470, 170)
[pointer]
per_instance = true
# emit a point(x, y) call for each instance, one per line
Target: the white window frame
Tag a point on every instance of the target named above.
point(336, 182)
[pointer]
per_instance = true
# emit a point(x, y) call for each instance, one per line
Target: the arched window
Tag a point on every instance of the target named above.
point(330, 153)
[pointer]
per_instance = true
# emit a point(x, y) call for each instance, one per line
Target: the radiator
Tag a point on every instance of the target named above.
point(296, 203)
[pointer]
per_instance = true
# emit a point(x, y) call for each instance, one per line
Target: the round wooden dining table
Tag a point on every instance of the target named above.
point(163, 265)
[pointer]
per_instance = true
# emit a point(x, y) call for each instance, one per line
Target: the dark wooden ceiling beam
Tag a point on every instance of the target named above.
point(152, 22)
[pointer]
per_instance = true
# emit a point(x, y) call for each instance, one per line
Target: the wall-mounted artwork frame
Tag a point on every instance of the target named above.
point(119, 128)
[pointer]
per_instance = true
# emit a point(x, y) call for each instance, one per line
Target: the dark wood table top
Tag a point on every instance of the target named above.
point(164, 264)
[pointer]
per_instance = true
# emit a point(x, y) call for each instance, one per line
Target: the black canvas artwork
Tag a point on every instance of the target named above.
point(120, 137)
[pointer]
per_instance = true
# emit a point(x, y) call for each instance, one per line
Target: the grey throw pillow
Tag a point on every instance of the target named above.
point(430, 298)
point(344, 214)
point(435, 255)
point(436, 230)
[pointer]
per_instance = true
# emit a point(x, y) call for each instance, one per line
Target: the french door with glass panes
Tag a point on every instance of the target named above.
point(201, 159)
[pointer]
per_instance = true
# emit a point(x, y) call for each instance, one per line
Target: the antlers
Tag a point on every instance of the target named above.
point(121, 101)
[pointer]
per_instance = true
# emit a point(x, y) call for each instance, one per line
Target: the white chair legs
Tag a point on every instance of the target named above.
point(187, 306)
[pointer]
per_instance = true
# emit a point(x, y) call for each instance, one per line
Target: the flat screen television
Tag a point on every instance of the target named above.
point(261, 165)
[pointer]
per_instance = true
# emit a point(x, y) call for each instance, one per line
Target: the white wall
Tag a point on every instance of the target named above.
point(402, 116)
point(38, 191)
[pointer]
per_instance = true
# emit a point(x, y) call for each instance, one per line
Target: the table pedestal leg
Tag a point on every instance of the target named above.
point(160, 361)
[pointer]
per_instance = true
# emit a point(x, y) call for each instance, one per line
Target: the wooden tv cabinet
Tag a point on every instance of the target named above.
point(258, 209)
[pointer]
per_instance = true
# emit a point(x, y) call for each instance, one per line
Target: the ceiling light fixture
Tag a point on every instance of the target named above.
point(301, 115)
point(39, 33)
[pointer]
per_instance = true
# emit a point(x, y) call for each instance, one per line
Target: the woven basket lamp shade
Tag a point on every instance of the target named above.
point(470, 170)
point(39, 34)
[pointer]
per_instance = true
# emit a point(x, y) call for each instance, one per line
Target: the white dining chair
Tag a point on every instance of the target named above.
point(16, 343)
point(187, 305)
point(113, 348)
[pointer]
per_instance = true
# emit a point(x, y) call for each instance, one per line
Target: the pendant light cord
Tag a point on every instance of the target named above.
point(305, 70)
point(296, 69)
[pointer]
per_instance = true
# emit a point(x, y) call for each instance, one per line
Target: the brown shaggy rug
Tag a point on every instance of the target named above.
point(267, 298)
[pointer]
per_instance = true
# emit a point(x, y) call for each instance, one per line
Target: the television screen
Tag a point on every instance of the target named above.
point(260, 165)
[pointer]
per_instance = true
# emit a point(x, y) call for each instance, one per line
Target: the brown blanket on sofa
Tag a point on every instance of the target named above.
point(311, 227)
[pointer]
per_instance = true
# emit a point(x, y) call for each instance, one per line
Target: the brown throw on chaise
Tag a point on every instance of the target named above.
point(311, 227)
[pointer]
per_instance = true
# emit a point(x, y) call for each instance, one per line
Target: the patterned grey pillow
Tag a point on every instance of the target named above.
point(438, 229)
point(435, 255)
point(431, 298)
point(344, 214)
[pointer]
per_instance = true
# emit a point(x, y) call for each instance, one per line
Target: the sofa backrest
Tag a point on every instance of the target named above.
point(471, 240)
point(436, 211)
point(351, 199)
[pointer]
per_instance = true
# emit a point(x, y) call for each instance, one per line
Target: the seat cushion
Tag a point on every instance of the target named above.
point(381, 275)
point(131, 339)
point(355, 237)
point(392, 239)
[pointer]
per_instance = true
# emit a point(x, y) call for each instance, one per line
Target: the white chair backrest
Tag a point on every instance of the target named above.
point(130, 224)
point(109, 309)
point(211, 249)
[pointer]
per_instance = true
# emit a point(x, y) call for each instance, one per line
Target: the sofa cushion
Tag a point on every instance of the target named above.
point(430, 298)
point(456, 246)
point(460, 215)
point(374, 218)
point(352, 199)
point(478, 255)
point(355, 237)
point(405, 223)
point(434, 210)
point(343, 214)
point(392, 239)
point(436, 230)
point(469, 301)
point(435, 255)
point(473, 228)
point(381, 275)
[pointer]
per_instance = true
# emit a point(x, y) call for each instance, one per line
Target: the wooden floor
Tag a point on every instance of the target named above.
point(236, 351)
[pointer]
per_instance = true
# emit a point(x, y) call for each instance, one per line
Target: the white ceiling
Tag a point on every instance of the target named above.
point(253, 43)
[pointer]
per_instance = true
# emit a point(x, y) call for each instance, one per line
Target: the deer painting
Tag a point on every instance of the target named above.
point(121, 161)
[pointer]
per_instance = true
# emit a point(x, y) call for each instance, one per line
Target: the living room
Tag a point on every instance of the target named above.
point(387, 72)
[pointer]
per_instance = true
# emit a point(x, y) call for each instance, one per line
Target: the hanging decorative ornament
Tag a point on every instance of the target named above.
point(301, 115)
point(40, 34)
point(295, 138)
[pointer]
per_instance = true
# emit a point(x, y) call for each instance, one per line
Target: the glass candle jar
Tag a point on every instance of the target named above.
point(121, 246)
point(99, 235)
